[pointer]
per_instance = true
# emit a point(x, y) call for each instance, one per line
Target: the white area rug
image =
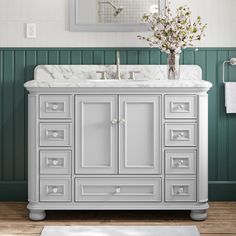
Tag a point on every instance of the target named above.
point(120, 231)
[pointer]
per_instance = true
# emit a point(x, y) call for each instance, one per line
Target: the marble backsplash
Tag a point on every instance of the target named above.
point(86, 76)
point(88, 72)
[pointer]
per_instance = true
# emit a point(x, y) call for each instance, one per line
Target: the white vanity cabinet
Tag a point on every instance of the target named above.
point(118, 147)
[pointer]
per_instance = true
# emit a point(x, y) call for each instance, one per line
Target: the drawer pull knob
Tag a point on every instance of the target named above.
point(180, 190)
point(55, 190)
point(122, 121)
point(114, 121)
point(54, 134)
point(181, 107)
point(180, 135)
point(55, 162)
point(117, 190)
point(180, 163)
point(55, 107)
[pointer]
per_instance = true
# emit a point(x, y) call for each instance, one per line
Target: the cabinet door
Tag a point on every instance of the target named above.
point(96, 134)
point(140, 134)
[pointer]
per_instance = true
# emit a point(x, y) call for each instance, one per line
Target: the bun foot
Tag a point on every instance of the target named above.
point(198, 215)
point(37, 215)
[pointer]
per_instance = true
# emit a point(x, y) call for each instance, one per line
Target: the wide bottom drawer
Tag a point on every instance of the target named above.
point(118, 189)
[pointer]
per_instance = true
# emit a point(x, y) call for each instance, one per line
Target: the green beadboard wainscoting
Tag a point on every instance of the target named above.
point(17, 65)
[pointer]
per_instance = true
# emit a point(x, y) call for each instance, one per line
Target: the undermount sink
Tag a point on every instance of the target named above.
point(118, 81)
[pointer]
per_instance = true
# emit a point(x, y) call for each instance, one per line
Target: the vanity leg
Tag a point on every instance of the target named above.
point(37, 215)
point(198, 215)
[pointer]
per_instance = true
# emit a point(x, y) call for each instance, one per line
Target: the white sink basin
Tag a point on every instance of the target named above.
point(117, 81)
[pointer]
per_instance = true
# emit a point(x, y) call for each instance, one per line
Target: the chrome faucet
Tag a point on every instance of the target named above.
point(118, 65)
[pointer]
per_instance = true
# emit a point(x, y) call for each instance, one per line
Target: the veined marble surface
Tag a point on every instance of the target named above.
point(86, 76)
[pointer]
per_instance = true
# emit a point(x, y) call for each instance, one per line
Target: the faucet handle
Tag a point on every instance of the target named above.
point(103, 74)
point(132, 74)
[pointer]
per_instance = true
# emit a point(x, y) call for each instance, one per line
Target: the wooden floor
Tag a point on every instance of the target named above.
point(14, 219)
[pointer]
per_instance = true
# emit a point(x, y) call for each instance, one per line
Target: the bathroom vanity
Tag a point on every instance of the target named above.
point(117, 144)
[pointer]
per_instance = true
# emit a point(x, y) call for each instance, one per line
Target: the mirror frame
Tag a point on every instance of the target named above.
point(139, 27)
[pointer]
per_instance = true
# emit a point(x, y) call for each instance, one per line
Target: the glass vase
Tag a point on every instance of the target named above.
point(173, 66)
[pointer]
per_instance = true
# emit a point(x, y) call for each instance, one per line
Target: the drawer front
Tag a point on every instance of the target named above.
point(180, 190)
point(55, 106)
point(55, 162)
point(55, 134)
point(180, 106)
point(180, 161)
point(52, 190)
point(118, 189)
point(180, 134)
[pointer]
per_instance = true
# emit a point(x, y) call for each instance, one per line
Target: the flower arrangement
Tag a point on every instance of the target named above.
point(171, 32)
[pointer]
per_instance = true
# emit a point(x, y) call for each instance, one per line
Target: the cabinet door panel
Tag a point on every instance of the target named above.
point(140, 134)
point(96, 134)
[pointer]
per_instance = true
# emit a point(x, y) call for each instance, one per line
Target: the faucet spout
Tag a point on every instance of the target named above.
point(118, 65)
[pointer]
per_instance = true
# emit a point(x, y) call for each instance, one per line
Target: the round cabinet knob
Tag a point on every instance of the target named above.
point(180, 107)
point(114, 121)
point(55, 162)
point(54, 107)
point(54, 134)
point(181, 190)
point(117, 190)
point(55, 190)
point(181, 135)
point(181, 162)
point(122, 121)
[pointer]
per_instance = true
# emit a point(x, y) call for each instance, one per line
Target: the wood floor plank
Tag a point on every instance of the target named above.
point(14, 219)
point(25, 234)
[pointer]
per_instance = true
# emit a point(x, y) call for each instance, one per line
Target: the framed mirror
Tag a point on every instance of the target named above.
point(112, 15)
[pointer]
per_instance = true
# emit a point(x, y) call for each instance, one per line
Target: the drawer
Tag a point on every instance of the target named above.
point(180, 106)
point(180, 134)
point(177, 190)
point(55, 134)
point(55, 162)
point(55, 106)
point(52, 189)
point(180, 161)
point(118, 189)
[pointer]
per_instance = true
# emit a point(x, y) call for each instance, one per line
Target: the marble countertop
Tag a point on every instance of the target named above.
point(85, 76)
point(119, 84)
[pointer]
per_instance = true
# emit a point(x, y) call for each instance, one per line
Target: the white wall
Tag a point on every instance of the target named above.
point(51, 17)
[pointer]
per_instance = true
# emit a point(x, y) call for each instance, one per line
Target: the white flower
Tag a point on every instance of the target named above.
point(160, 26)
point(172, 33)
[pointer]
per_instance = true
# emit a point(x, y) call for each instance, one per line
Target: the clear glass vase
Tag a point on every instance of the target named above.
point(173, 66)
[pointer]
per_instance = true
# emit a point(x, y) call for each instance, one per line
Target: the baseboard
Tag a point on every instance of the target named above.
point(222, 190)
point(13, 191)
point(17, 191)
